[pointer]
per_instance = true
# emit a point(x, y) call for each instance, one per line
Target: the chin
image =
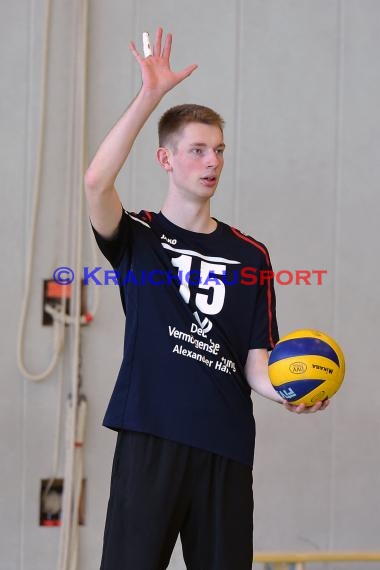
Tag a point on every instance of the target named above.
point(205, 195)
point(207, 192)
point(198, 193)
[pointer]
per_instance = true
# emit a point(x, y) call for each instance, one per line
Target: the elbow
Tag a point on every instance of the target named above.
point(97, 182)
point(92, 182)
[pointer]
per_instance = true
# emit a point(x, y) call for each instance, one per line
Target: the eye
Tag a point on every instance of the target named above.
point(220, 151)
point(197, 151)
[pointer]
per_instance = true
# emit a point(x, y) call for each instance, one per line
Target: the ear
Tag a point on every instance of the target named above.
point(163, 156)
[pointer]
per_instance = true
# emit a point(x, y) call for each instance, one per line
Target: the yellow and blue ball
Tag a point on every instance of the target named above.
point(306, 366)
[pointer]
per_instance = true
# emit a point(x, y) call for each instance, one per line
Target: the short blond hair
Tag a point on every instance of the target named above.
point(176, 118)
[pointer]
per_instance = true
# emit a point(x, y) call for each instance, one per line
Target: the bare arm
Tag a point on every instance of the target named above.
point(157, 79)
point(256, 370)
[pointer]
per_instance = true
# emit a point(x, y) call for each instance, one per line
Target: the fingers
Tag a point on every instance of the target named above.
point(187, 71)
point(315, 408)
point(157, 43)
point(147, 50)
point(156, 70)
point(303, 409)
point(156, 47)
point(319, 406)
point(296, 409)
point(167, 47)
point(133, 49)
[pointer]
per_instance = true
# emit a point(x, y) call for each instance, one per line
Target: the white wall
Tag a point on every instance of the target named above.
point(298, 83)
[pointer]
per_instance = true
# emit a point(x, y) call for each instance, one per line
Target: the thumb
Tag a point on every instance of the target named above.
point(187, 71)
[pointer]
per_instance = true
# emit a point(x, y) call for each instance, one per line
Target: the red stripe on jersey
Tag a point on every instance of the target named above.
point(148, 215)
point(269, 297)
point(252, 241)
point(269, 292)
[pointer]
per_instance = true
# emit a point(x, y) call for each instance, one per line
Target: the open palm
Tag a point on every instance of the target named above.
point(155, 69)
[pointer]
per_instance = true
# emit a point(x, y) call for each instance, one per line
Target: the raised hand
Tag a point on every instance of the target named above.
point(156, 74)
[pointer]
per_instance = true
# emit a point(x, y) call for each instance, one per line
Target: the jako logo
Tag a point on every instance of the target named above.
point(171, 241)
point(297, 367)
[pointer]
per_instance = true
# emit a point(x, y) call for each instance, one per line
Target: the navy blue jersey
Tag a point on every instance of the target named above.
point(195, 304)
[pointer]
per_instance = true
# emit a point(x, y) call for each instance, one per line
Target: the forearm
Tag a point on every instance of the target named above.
point(257, 375)
point(115, 148)
point(262, 385)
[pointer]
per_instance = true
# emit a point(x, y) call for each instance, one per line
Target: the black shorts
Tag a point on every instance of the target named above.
point(160, 489)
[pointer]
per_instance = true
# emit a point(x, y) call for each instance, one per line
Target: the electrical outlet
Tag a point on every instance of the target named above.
point(56, 295)
point(51, 502)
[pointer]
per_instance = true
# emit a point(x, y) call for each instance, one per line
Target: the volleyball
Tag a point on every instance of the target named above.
point(306, 366)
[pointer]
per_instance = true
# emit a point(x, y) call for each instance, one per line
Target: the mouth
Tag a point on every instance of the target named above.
point(209, 180)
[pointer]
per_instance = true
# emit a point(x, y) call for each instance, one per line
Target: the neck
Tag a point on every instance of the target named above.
point(189, 215)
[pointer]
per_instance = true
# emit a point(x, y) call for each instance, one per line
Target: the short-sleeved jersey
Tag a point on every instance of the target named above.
point(195, 304)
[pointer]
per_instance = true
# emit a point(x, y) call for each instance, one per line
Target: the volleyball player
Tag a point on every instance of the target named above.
point(198, 330)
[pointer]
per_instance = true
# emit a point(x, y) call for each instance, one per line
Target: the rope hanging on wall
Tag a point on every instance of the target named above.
point(76, 407)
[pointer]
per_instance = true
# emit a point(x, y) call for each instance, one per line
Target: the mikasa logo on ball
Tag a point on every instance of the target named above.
point(298, 367)
point(323, 368)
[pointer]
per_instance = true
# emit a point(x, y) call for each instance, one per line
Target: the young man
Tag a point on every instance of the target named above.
point(199, 325)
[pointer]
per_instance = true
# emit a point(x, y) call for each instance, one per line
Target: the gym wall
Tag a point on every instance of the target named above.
point(298, 83)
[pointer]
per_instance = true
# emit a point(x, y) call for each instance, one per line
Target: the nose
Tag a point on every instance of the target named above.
point(213, 159)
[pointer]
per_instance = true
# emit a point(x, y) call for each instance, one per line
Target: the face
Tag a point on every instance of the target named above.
point(196, 163)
